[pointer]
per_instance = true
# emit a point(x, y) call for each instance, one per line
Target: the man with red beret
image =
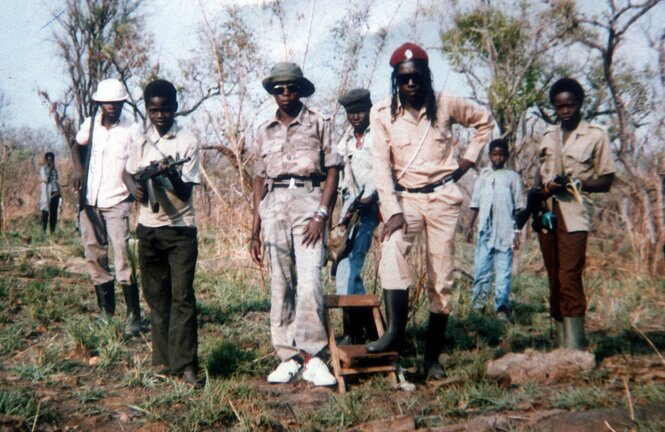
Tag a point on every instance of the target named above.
point(415, 172)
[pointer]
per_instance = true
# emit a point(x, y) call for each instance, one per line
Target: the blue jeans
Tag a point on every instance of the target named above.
point(486, 261)
point(349, 279)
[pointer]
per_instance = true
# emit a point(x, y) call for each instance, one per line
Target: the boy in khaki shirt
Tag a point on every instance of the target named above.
point(168, 246)
point(580, 152)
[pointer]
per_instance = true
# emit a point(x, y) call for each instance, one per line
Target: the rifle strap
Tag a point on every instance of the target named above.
point(413, 157)
point(354, 183)
point(88, 155)
point(558, 153)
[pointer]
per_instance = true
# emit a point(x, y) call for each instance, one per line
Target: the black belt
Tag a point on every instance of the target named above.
point(425, 189)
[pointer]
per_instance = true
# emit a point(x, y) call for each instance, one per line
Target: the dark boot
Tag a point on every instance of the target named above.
point(367, 324)
point(106, 297)
point(350, 332)
point(560, 334)
point(397, 309)
point(131, 293)
point(436, 332)
point(44, 220)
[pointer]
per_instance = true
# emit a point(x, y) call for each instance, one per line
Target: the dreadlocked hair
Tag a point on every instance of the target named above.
point(430, 96)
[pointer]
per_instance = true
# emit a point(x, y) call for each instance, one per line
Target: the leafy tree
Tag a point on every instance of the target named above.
point(505, 53)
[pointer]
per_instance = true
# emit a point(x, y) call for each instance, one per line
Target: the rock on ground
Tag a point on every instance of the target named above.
point(534, 366)
point(604, 419)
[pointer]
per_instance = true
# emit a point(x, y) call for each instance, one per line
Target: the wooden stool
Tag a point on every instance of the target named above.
point(345, 359)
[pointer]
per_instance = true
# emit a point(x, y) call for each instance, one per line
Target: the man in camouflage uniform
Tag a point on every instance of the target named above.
point(296, 178)
point(415, 171)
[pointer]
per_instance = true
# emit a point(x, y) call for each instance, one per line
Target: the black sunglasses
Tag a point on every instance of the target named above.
point(405, 78)
point(279, 89)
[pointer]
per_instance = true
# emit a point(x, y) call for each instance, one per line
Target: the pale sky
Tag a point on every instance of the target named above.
point(28, 61)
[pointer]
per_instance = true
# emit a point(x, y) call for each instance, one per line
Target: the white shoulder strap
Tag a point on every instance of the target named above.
point(413, 157)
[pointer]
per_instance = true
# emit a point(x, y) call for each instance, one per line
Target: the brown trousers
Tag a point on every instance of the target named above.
point(564, 254)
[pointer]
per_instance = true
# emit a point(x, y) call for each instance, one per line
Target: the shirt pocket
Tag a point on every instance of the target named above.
point(401, 150)
point(271, 154)
point(441, 146)
point(580, 154)
point(307, 157)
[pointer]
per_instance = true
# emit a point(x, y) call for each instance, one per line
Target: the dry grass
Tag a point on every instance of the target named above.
point(60, 366)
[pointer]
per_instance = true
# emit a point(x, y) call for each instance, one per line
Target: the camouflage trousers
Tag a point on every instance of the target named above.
point(435, 213)
point(296, 294)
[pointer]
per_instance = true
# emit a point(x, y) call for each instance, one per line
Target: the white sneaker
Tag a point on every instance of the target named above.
point(317, 373)
point(284, 372)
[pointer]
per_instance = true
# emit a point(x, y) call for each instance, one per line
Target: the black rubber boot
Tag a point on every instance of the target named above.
point(397, 309)
point(106, 297)
point(131, 293)
point(436, 332)
point(350, 328)
point(366, 322)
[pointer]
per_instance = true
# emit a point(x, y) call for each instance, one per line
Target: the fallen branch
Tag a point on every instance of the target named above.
point(629, 399)
point(649, 342)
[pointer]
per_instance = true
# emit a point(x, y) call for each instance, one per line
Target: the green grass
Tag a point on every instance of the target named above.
point(49, 331)
point(23, 402)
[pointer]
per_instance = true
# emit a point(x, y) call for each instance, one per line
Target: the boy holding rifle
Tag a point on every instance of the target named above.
point(169, 160)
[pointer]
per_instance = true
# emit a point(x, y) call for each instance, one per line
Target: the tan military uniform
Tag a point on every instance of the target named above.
point(585, 155)
point(396, 141)
point(304, 149)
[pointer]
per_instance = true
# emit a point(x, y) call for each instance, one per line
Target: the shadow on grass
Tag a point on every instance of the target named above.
point(627, 342)
point(474, 330)
point(227, 359)
point(222, 313)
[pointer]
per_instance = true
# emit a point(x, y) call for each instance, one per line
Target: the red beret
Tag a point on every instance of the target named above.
point(406, 52)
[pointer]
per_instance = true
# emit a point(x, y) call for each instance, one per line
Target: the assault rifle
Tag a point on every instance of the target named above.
point(543, 220)
point(146, 177)
point(572, 184)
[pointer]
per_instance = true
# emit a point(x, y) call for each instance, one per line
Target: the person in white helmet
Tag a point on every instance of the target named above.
point(105, 200)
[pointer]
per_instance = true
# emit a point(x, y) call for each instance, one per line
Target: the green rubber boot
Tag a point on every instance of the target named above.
point(560, 334)
point(574, 333)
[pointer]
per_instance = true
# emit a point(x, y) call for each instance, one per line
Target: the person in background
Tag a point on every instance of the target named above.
point(359, 195)
point(105, 200)
point(49, 201)
point(497, 196)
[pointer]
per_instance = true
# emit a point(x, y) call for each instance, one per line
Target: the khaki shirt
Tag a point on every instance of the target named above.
point(357, 174)
point(586, 155)
point(303, 148)
point(178, 144)
point(396, 141)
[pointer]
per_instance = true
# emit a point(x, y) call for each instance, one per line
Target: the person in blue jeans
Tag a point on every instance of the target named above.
point(497, 196)
point(357, 185)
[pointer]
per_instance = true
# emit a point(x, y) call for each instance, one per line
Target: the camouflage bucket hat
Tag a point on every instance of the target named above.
point(288, 73)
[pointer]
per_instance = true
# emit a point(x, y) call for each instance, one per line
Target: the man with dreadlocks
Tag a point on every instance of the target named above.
point(415, 172)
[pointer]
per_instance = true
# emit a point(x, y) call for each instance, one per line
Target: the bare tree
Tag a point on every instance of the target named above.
point(627, 102)
point(97, 39)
